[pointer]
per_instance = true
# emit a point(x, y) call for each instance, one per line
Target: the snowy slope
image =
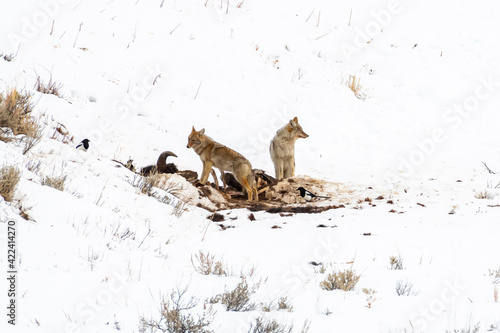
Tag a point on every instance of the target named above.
point(137, 75)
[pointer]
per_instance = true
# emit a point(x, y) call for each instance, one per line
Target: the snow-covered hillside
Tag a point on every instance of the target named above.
point(135, 76)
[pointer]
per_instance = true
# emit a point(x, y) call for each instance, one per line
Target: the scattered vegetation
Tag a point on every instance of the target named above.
point(472, 328)
point(369, 297)
point(237, 299)
point(327, 312)
point(404, 288)
point(179, 208)
point(491, 185)
point(23, 212)
point(396, 263)
point(306, 326)
point(320, 269)
point(54, 182)
point(34, 166)
point(283, 304)
point(175, 317)
point(50, 88)
point(354, 83)
point(206, 264)
point(31, 141)
point(61, 133)
point(3, 136)
point(7, 57)
point(495, 275)
point(261, 325)
point(9, 178)
point(345, 280)
point(267, 307)
point(15, 113)
point(481, 195)
point(146, 184)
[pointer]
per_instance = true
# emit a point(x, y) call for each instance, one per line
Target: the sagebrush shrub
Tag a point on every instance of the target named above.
point(206, 264)
point(55, 182)
point(237, 299)
point(261, 325)
point(345, 280)
point(283, 304)
point(175, 317)
point(396, 263)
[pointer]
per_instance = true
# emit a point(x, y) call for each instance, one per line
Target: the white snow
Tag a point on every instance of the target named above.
point(137, 75)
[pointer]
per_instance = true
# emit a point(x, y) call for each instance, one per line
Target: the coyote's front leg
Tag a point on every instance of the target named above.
point(207, 168)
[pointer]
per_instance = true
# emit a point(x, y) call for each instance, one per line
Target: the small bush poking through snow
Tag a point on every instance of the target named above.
point(283, 304)
point(15, 113)
point(267, 307)
point(7, 57)
point(174, 317)
point(481, 195)
point(396, 263)
point(9, 178)
point(370, 298)
point(345, 280)
point(354, 83)
point(50, 88)
point(205, 263)
point(495, 275)
point(237, 299)
point(472, 328)
point(55, 182)
point(404, 288)
point(320, 269)
point(261, 325)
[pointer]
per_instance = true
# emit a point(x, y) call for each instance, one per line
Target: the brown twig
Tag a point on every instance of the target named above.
point(171, 32)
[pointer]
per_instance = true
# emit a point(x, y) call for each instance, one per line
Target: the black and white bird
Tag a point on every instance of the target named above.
point(84, 145)
point(308, 195)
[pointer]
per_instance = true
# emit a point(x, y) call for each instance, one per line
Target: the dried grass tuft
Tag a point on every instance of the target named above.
point(9, 178)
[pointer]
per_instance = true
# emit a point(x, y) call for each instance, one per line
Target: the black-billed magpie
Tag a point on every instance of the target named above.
point(308, 195)
point(84, 145)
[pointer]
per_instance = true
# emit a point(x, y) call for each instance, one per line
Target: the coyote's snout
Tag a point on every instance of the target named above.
point(282, 148)
point(214, 154)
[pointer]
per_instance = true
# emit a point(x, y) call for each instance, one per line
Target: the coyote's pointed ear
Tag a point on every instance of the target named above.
point(193, 130)
point(293, 123)
point(296, 120)
point(202, 131)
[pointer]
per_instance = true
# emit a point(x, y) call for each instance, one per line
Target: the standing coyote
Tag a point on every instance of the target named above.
point(223, 158)
point(282, 149)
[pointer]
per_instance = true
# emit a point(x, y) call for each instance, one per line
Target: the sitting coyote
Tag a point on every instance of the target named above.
point(282, 149)
point(214, 154)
